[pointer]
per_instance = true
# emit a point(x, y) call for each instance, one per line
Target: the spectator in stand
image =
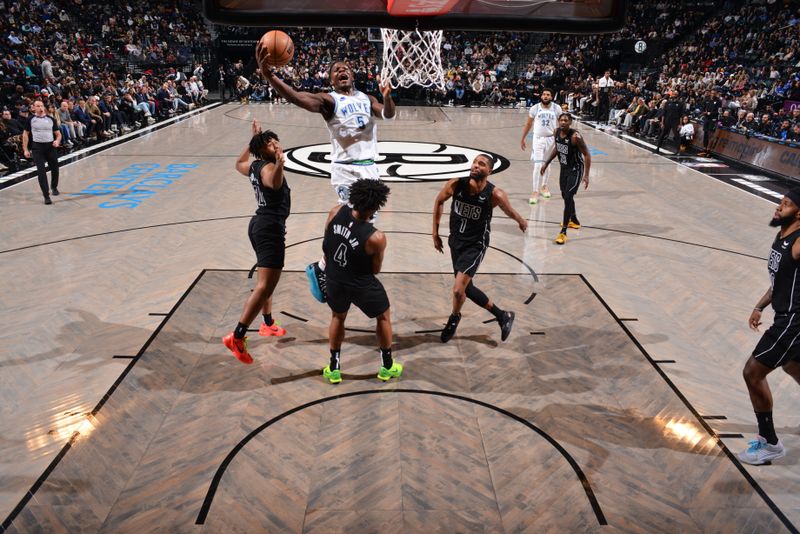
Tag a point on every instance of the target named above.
point(748, 126)
point(686, 133)
point(652, 120)
point(91, 128)
point(727, 120)
point(795, 135)
point(97, 117)
point(636, 110)
point(765, 125)
point(73, 129)
point(783, 131)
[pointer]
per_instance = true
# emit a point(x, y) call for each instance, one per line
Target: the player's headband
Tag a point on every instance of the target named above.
point(794, 195)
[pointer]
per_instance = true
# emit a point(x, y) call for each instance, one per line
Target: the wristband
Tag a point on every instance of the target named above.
point(758, 309)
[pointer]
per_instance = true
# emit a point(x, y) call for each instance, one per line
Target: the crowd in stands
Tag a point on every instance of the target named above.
point(75, 56)
point(744, 63)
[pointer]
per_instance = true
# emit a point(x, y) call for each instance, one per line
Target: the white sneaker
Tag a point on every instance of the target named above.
point(759, 452)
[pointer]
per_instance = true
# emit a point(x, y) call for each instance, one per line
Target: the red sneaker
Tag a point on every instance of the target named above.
point(273, 330)
point(238, 347)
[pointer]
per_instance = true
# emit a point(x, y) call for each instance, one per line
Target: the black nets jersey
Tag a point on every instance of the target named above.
point(783, 275)
point(569, 156)
point(273, 203)
point(346, 261)
point(470, 215)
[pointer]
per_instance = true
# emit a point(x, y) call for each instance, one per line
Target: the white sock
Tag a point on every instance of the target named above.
point(321, 263)
point(536, 177)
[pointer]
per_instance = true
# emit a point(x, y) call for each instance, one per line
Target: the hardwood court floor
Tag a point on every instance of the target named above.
point(678, 252)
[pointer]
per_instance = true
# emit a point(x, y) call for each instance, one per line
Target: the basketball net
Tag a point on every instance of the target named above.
point(412, 58)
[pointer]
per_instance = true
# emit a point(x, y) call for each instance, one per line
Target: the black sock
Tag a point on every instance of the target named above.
point(267, 318)
point(497, 312)
point(335, 357)
point(241, 330)
point(766, 428)
point(386, 356)
point(564, 230)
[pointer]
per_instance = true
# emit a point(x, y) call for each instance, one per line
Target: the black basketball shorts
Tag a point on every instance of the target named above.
point(780, 344)
point(368, 296)
point(467, 259)
point(569, 180)
point(268, 238)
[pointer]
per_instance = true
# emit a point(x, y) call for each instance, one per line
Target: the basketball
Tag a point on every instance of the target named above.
point(280, 48)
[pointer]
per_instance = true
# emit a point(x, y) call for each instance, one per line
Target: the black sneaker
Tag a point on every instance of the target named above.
point(505, 324)
point(47, 200)
point(449, 329)
point(54, 192)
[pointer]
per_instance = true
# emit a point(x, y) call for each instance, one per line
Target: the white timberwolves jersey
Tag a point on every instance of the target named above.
point(545, 120)
point(354, 135)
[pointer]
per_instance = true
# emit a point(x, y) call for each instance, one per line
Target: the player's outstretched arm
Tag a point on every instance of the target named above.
point(375, 247)
point(438, 207)
point(500, 199)
point(387, 109)
point(577, 140)
point(321, 103)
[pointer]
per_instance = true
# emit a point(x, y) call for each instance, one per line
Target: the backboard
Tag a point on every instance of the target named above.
point(552, 16)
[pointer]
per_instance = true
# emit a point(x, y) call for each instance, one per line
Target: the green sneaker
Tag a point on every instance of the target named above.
point(395, 372)
point(335, 376)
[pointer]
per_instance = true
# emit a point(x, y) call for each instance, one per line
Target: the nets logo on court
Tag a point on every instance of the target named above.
point(399, 161)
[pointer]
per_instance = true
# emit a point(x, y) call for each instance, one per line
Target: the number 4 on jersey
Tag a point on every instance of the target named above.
point(340, 256)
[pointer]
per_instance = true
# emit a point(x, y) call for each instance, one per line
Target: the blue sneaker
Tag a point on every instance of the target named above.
point(317, 281)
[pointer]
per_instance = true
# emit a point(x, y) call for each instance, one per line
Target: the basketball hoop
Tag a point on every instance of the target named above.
point(412, 58)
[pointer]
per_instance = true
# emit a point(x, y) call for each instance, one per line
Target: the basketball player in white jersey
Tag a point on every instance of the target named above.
point(349, 115)
point(544, 119)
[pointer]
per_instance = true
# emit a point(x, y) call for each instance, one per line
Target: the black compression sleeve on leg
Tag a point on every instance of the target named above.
point(476, 295)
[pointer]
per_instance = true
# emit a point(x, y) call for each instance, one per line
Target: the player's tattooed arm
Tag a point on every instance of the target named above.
point(500, 199)
point(577, 140)
point(438, 207)
point(755, 316)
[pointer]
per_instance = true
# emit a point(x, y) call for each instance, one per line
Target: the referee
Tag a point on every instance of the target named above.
point(41, 138)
